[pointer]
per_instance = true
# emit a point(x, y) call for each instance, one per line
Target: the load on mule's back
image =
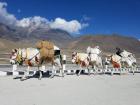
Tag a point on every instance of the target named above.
point(46, 49)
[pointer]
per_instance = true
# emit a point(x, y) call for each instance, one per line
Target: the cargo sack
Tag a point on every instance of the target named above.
point(46, 53)
point(45, 44)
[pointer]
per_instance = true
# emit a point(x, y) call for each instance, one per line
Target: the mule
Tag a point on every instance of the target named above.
point(82, 60)
point(126, 60)
point(31, 57)
point(94, 56)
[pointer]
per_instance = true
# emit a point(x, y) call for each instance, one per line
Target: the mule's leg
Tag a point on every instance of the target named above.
point(106, 68)
point(53, 71)
point(40, 72)
point(26, 72)
point(61, 67)
point(62, 71)
point(133, 70)
point(40, 75)
point(102, 68)
point(80, 70)
point(88, 70)
point(95, 70)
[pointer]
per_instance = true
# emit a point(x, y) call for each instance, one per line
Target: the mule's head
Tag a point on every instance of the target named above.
point(16, 57)
point(13, 56)
point(108, 59)
point(74, 57)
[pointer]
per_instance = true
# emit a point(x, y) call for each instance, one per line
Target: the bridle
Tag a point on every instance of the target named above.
point(74, 57)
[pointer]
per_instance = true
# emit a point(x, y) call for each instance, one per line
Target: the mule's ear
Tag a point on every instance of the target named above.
point(15, 50)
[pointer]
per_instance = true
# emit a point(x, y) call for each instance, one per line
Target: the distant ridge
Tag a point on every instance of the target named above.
point(108, 43)
point(12, 37)
point(23, 34)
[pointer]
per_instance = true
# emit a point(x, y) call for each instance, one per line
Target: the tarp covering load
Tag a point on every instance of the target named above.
point(46, 48)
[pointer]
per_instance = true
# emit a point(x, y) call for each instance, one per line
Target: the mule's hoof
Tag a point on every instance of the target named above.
point(22, 79)
point(78, 74)
point(52, 76)
point(89, 74)
point(63, 75)
point(39, 78)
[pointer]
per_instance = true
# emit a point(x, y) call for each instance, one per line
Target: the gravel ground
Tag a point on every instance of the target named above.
point(72, 90)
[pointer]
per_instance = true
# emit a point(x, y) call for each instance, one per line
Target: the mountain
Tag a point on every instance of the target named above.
point(107, 43)
point(33, 34)
point(14, 37)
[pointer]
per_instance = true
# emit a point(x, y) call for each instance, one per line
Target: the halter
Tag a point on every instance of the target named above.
point(75, 57)
point(19, 58)
point(27, 54)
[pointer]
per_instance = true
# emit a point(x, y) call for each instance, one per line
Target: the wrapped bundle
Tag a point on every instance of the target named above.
point(45, 44)
point(46, 53)
point(46, 48)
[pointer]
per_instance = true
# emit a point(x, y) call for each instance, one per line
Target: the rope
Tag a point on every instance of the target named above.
point(34, 56)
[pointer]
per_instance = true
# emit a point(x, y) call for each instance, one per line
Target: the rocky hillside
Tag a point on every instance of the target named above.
point(108, 43)
point(13, 37)
point(18, 35)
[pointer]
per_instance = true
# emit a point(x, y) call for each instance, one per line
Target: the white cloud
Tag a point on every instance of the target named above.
point(5, 17)
point(32, 21)
point(73, 26)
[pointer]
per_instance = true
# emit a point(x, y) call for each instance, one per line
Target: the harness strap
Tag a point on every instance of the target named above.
point(34, 56)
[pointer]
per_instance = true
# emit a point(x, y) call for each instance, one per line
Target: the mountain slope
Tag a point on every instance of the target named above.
point(107, 43)
point(57, 36)
point(13, 37)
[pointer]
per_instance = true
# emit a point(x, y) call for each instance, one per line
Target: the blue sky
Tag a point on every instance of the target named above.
point(102, 16)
